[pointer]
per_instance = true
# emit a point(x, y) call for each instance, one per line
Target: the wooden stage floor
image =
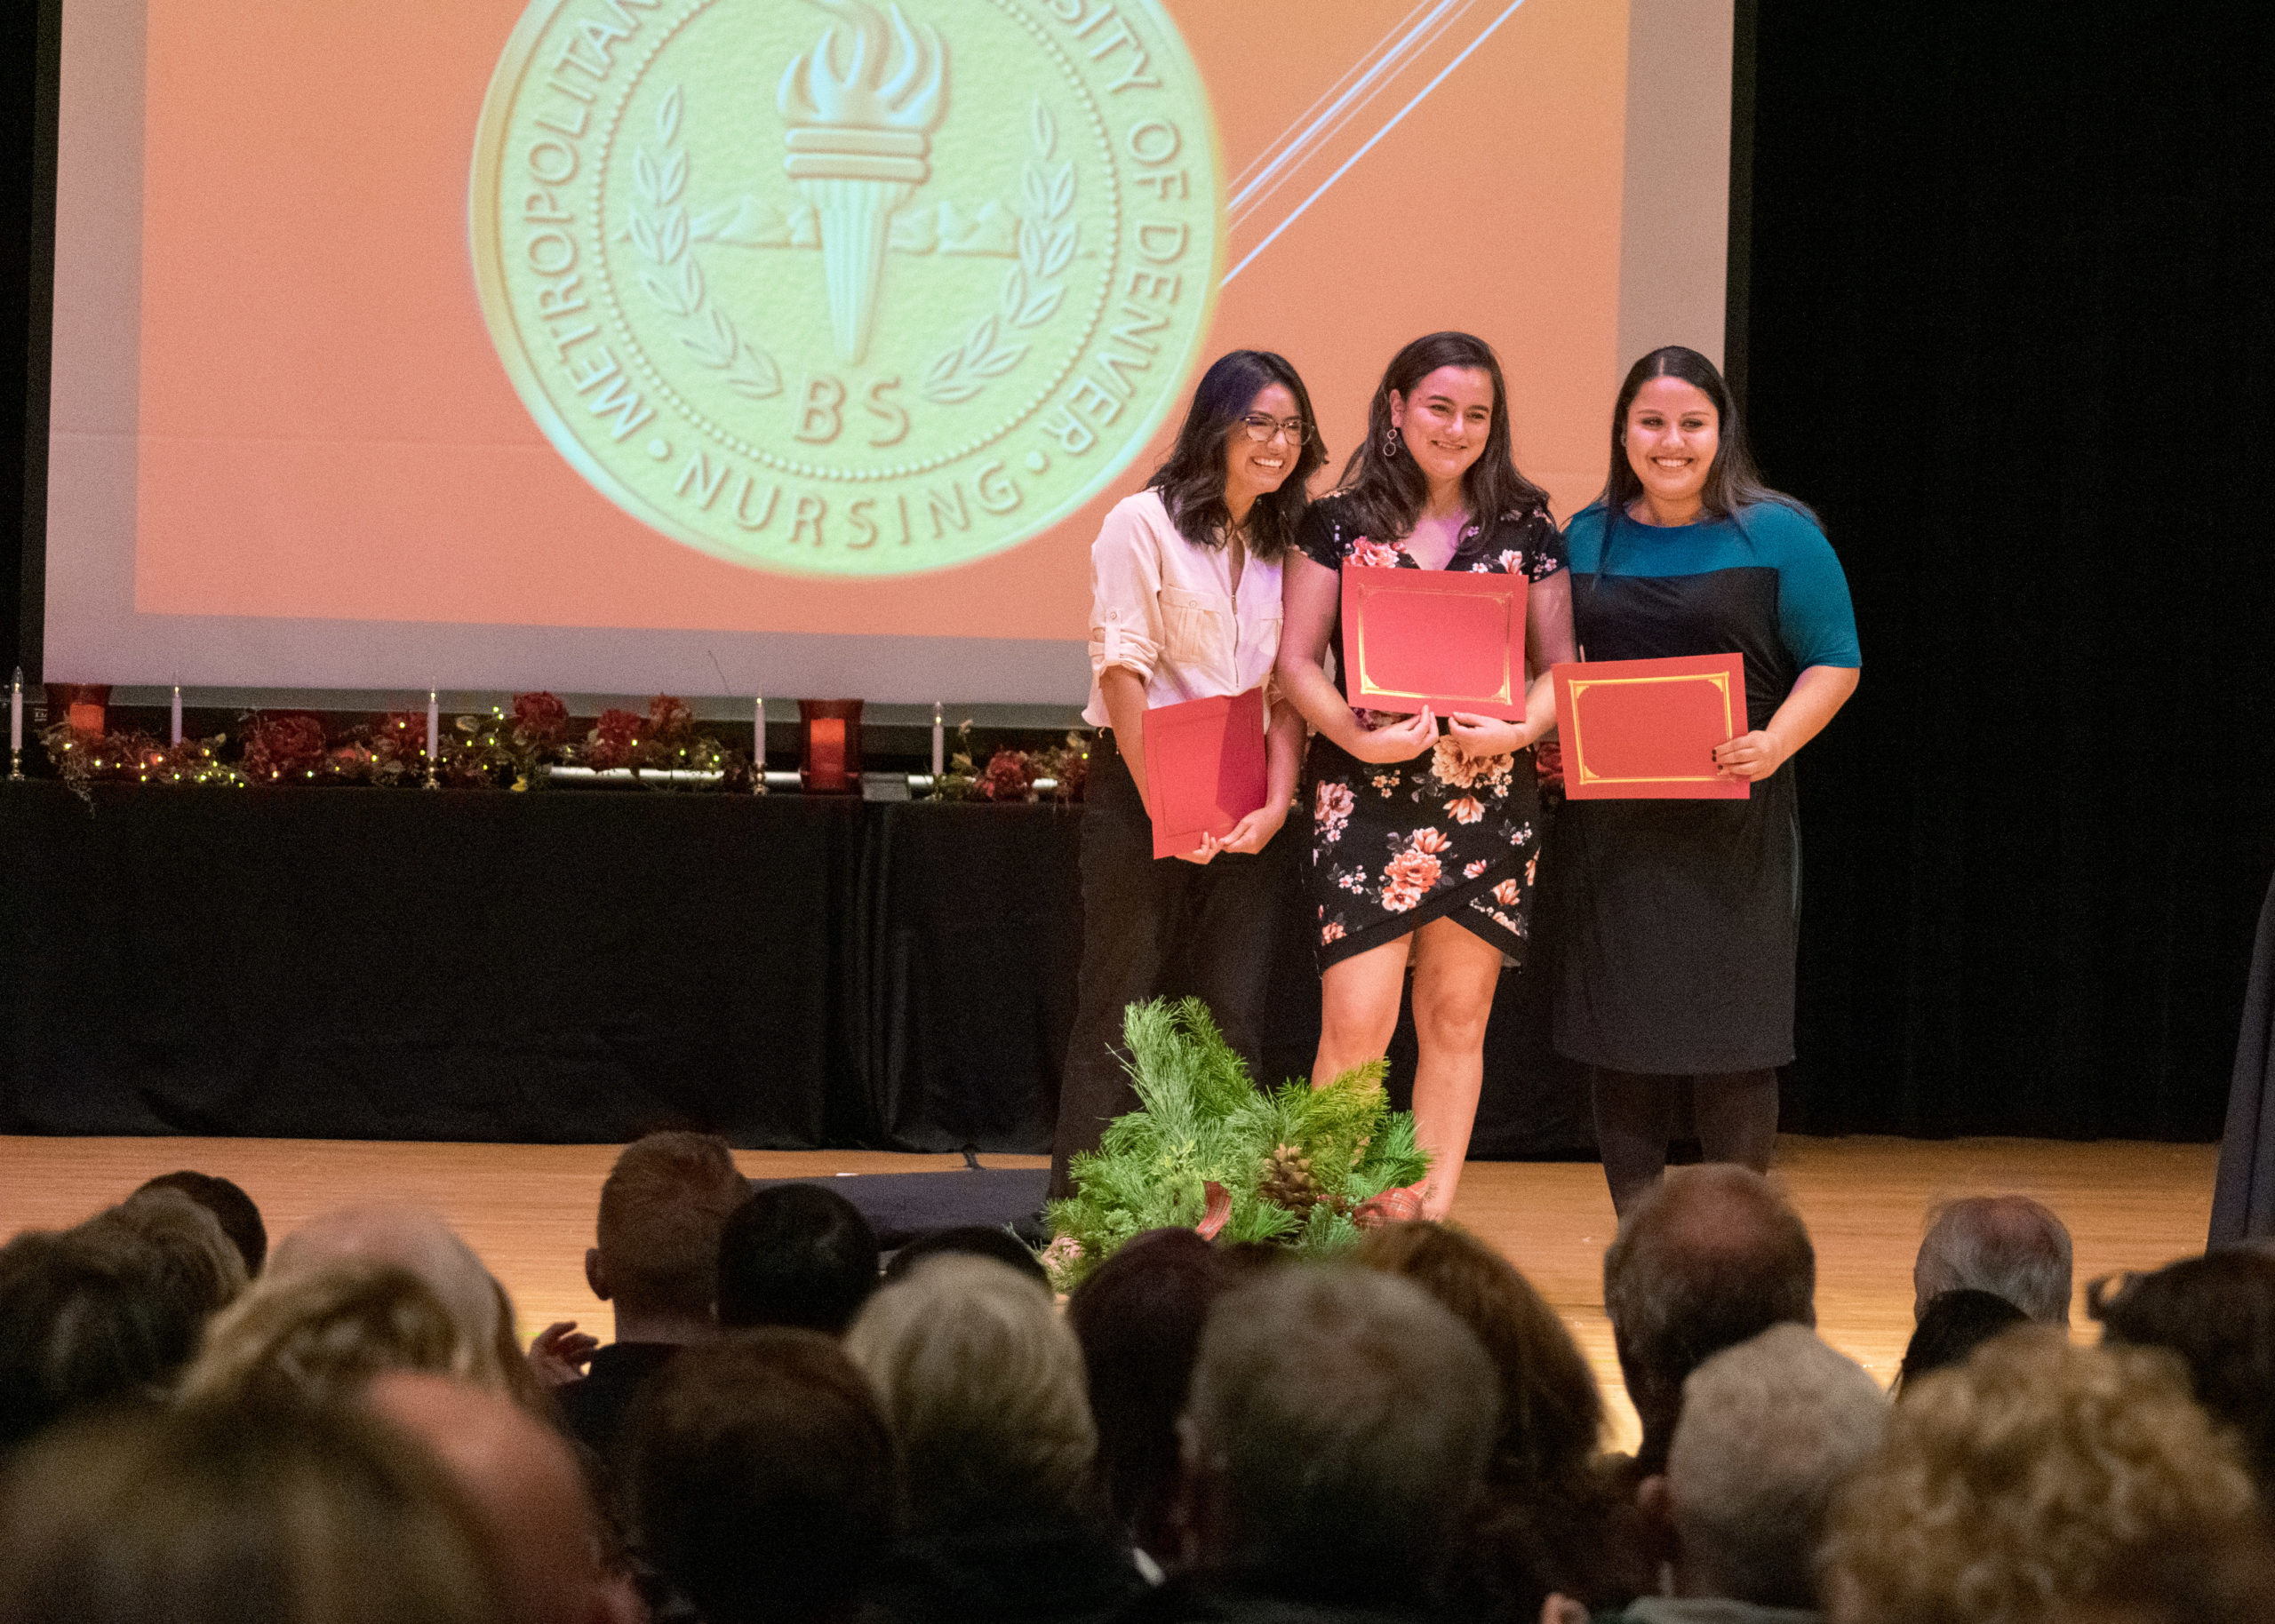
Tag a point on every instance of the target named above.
point(528, 1210)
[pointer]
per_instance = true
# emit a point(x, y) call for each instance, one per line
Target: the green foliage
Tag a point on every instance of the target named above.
point(1200, 1121)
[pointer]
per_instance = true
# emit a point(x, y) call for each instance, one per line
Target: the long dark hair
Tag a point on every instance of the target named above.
point(1733, 483)
point(1191, 481)
point(1387, 493)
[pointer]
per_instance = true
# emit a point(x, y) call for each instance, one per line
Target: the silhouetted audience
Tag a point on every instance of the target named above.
point(1334, 1444)
point(2032, 1476)
point(656, 1262)
point(969, 1240)
point(1554, 1520)
point(795, 1254)
point(1709, 1257)
point(540, 1527)
point(321, 1335)
point(224, 1516)
point(983, 1384)
point(2008, 1246)
point(1952, 1326)
point(1138, 1319)
point(1771, 1429)
point(232, 1209)
point(760, 1479)
point(2217, 1313)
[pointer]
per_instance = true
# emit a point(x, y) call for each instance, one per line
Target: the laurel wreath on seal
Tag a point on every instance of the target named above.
point(661, 234)
point(1031, 291)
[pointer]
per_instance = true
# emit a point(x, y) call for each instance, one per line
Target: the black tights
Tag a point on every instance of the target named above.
point(1736, 1113)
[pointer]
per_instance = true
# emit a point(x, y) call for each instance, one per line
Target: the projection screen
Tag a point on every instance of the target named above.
point(789, 345)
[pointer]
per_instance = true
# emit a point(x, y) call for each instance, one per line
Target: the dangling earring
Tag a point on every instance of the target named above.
point(1391, 443)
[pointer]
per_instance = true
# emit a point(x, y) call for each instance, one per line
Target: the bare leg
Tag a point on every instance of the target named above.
point(1359, 998)
point(1455, 973)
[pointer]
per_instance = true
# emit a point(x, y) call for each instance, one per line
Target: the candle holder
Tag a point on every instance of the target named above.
point(15, 765)
point(829, 745)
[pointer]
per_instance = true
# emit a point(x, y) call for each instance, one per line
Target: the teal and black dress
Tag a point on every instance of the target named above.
point(1678, 919)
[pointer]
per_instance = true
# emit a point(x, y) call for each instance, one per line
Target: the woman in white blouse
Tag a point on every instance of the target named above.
point(1184, 582)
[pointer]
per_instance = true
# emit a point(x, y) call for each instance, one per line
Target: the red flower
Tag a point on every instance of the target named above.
point(541, 718)
point(401, 735)
point(669, 718)
point(613, 739)
point(1008, 775)
point(285, 745)
point(1431, 841)
point(1408, 880)
point(1374, 554)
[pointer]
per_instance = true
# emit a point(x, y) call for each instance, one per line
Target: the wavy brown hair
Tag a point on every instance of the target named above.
point(1191, 481)
point(1386, 494)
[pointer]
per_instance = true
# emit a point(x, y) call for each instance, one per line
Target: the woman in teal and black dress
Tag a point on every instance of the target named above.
point(1679, 919)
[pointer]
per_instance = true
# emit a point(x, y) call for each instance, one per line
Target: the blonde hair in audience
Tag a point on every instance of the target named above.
point(2019, 1481)
point(322, 1334)
point(984, 1385)
point(215, 1515)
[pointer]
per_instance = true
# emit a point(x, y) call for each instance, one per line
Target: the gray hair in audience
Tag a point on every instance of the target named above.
point(1341, 1419)
point(983, 1383)
point(321, 1335)
point(2008, 1246)
point(1770, 1430)
point(410, 1237)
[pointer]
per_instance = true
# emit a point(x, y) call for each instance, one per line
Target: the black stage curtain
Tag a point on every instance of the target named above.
point(2010, 334)
point(578, 967)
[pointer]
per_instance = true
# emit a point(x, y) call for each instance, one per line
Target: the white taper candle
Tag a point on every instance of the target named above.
point(176, 738)
point(758, 737)
point(939, 742)
point(16, 710)
point(434, 728)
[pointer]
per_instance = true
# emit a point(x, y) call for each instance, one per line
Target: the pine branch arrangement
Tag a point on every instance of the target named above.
point(1294, 1161)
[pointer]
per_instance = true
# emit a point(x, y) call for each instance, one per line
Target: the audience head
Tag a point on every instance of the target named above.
point(2008, 1246)
point(1138, 1319)
point(1951, 1328)
point(1709, 1257)
point(232, 1209)
point(795, 1254)
point(195, 1261)
point(96, 1315)
point(2217, 1313)
point(760, 1477)
point(969, 1240)
point(411, 1238)
point(2011, 1485)
point(321, 1335)
point(982, 1385)
point(1770, 1430)
point(1551, 1411)
point(1336, 1436)
point(661, 1210)
point(540, 1527)
point(2217, 1576)
point(207, 1516)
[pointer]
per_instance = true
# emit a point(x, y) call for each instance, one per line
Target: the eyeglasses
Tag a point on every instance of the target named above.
point(1264, 430)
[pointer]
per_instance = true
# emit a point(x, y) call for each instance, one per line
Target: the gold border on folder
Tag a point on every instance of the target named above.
point(1720, 679)
point(1370, 689)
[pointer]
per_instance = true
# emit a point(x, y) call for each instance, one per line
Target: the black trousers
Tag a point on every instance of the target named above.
point(1155, 926)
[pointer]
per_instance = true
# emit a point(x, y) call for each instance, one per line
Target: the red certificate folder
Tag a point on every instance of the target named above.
point(1204, 768)
point(1452, 640)
point(1645, 730)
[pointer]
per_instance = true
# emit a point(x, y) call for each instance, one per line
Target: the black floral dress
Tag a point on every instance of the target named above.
point(1443, 835)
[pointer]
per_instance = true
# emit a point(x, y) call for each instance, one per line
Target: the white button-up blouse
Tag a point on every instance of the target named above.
point(1166, 609)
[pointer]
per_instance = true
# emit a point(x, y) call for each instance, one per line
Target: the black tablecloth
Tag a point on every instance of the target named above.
point(583, 965)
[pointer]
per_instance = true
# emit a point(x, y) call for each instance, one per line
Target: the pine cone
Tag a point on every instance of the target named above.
point(1288, 1181)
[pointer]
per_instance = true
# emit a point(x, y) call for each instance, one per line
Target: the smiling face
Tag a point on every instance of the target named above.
point(1444, 420)
point(1254, 468)
point(1673, 431)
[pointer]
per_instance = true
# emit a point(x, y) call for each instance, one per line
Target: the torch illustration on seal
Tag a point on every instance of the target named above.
point(860, 140)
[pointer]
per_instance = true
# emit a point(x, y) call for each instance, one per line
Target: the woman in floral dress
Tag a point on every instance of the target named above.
point(1423, 845)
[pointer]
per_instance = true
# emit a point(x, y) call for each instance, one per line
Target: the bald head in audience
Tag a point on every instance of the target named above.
point(2008, 1246)
point(1709, 1257)
point(413, 1239)
point(531, 1499)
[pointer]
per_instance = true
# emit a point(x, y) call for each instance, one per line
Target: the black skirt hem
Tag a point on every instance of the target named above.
point(1477, 923)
